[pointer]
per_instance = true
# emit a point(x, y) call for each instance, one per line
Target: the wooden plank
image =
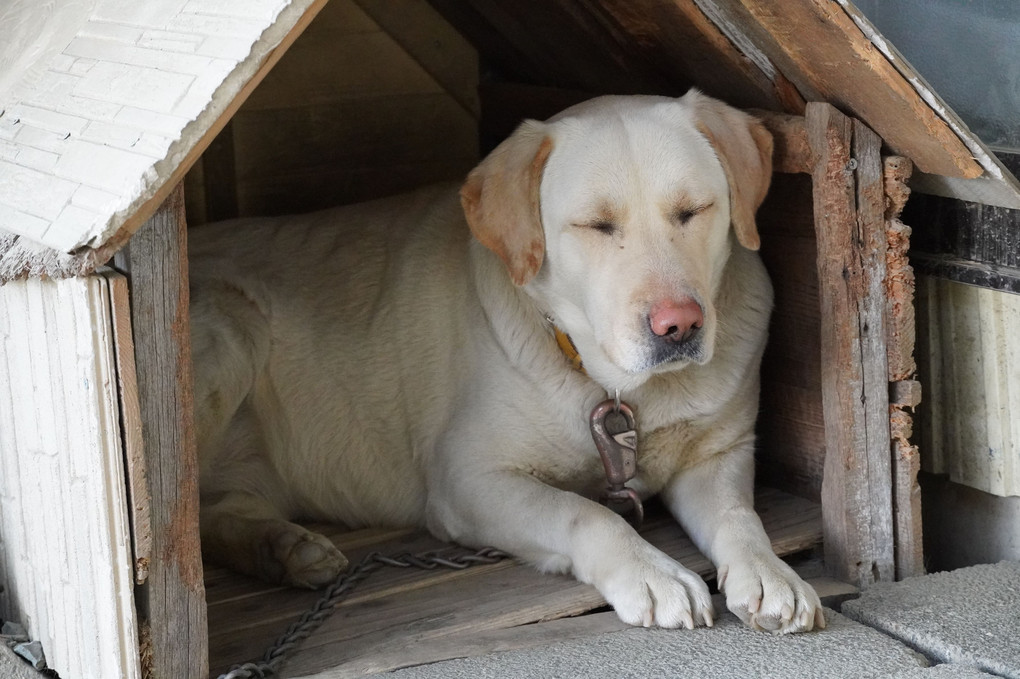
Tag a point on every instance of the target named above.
point(791, 151)
point(433, 612)
point(905, 392)
point(849, 219)
point(791, 430)
point(555, 43)
point(155, 262)
point(823, 52)
point(131, 424)
point(971, 367)
point(869, 233)
point(66, 548)
point(349, 151)
point(219, 177)
point(478, 642)
point(678, 40)
point(433, 43)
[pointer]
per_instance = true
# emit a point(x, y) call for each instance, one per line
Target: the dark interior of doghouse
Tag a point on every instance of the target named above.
point(378, 97)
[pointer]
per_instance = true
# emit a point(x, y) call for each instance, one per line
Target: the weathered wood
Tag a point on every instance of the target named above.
point(173, 600)
point(905, 392)
point(971, 371)
point(849, 219)
point(555, 43)
point(823, 52)
point(791, 151)
point(219, 177)
point(791, 429)
point(680, 41)
point(401, 617)
point(131, 424)
point(332, 125)
point(349, 151)
point(65, 556)
point(440, 50)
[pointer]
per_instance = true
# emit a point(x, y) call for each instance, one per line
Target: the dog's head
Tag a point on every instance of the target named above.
point(616, 216)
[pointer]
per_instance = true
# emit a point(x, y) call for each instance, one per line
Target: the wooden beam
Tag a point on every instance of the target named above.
point(792, 153)
point(823, 52)
point(905, 391)
point(131, 424)
point(849, 220)
point(173, 600)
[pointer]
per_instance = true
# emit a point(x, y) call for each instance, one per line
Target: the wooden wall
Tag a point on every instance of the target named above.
point(376, 97)
point(791, 428)
point(970, 363)
point(66, 555)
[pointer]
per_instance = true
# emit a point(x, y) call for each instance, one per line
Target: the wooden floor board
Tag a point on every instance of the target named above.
point(402, 617)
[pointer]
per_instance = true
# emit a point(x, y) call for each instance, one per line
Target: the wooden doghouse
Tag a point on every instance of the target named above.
point(99, 550)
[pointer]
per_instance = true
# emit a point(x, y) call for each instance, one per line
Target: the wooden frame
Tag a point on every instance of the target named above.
point(870, 496)
point(172, 603)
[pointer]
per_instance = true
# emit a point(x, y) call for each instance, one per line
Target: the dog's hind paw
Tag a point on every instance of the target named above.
point(304, 558)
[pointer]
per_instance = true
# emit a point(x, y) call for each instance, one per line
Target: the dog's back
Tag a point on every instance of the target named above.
point(282, 312)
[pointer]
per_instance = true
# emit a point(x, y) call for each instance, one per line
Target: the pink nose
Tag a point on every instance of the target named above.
point(674, 319)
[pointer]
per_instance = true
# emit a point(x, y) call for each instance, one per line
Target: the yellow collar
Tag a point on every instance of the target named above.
point(569, 350)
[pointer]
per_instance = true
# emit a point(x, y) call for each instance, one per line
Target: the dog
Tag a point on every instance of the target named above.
point(396, 362)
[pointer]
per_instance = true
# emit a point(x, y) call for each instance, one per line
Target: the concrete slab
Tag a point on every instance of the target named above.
point(13, 667)
point(968, 616)
point(942, 672)
point(844, 649)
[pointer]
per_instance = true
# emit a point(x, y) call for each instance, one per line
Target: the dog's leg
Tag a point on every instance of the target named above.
point(714, 501)
point(244, 513)
point(243, 524)
point(563, 532)
point(242, 531)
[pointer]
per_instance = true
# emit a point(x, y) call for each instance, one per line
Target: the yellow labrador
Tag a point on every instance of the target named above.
point(378, 365)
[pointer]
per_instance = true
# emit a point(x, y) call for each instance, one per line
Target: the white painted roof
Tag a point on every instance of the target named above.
point(102, 99)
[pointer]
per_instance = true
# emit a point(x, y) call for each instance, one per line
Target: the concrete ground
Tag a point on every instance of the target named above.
point(960, 624)
point(964, 623)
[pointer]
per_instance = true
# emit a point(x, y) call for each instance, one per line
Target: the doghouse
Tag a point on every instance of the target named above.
point(98, 524)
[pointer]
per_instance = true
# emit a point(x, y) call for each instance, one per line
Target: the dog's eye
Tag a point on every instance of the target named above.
point(603, 226)
point(686, 214)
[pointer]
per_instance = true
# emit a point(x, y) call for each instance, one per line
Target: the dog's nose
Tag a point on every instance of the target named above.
point(675, 320)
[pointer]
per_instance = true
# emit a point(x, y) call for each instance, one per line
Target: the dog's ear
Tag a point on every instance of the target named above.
point(501, 200)
point(744, 148)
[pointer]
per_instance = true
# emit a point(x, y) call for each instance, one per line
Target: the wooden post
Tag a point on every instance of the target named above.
point(905, 391)
point(173, 601)
point(849, 221)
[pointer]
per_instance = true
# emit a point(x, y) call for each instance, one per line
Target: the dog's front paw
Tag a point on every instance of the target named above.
point(768, 595)
point(302, 558)
point(649, 588)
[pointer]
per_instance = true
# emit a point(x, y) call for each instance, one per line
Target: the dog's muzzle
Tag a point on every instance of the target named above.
point(676, 331)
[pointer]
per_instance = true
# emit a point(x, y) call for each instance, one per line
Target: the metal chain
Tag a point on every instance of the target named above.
point(310, 621)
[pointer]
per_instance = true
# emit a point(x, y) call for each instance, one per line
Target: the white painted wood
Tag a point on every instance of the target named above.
point(971, 363)
point(64, 541)
point(113, 95)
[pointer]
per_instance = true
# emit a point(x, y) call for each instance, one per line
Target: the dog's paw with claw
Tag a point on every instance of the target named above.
point(649, 588)
point(302, 558)
point(769, 596)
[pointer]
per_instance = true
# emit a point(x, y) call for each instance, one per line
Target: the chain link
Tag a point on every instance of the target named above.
point(311, 619)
